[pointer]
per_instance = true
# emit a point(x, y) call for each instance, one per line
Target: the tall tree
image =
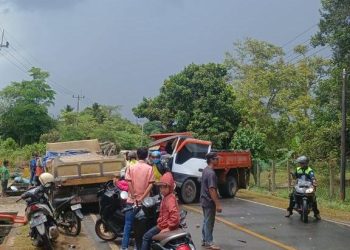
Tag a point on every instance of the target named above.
point(24, 112)
point(334, 29)
point(277, 98)
point(198, 99)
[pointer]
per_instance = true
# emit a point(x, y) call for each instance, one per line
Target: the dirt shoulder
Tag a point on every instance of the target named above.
point(18, 238)
point(271, 200)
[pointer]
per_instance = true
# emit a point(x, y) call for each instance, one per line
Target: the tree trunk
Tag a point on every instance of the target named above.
point(273, 177)
point(331, 180)
point(289, 177)
point(258, 174)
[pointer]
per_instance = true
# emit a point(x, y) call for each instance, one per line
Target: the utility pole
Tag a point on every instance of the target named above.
point(2, 45)
point(343, 139)
point(79, 97)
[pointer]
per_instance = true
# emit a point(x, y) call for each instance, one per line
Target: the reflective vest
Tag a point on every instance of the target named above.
point(156, 173)
point(308, 172)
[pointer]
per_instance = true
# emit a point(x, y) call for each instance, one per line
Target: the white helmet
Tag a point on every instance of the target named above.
point(46, 178)
point(302, 160)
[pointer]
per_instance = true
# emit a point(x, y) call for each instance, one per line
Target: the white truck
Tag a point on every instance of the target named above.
point(187, 161)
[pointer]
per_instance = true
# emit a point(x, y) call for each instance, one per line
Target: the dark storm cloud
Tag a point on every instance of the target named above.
point(33, 5)
point(116, 52)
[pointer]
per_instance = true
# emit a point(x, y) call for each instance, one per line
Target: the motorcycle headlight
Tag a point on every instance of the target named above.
point(309, 190)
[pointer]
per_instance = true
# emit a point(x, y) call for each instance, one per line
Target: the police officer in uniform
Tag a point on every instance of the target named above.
point(308, 172)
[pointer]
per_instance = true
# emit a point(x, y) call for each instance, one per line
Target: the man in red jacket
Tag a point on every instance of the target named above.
point(169, 217)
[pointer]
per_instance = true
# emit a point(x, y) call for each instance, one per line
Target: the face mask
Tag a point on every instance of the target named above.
point(156, 161)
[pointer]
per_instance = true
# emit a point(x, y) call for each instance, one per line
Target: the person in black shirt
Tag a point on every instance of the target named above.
point(209, 200)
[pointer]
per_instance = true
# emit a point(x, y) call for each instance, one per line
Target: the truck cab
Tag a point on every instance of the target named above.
point(185, 158)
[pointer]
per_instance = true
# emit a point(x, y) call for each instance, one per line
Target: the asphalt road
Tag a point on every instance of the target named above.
point(248, 225)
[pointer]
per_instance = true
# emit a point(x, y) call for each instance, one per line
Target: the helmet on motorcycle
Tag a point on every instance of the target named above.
point(302, 160)
point(155, 155)
point(46, 179)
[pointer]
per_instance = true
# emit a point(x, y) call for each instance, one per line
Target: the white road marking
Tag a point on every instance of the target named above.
point(112, 245)
point(259, 203)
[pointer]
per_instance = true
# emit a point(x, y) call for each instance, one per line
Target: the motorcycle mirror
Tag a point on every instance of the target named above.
point(124, 195)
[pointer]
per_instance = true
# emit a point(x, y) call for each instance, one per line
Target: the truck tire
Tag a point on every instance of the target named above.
point(188, 191)
point(229, 188)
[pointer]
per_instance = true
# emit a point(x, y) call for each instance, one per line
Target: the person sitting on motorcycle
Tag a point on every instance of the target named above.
point(158, 169)
point(169, 216)
point(308, 172)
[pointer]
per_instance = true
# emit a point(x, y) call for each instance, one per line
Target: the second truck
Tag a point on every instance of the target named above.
point(186, 160)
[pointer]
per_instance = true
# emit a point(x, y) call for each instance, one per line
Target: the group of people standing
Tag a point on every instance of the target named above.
point(141, 179)
point(145, 175)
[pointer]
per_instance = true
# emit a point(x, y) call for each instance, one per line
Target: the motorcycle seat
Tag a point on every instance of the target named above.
point(59, 201)
point(170, 235)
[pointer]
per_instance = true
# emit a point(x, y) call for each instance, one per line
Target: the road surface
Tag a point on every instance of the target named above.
point(248, 225)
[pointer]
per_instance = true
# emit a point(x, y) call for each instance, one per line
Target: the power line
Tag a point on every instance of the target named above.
point(28, 64)
point(310, 55)
point(299, 35)
point(13, 63)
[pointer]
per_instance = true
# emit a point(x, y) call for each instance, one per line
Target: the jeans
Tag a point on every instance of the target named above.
point(147, 238)
point(32, 177)
point(4, 186)
point(208, 225)
point(129, 221)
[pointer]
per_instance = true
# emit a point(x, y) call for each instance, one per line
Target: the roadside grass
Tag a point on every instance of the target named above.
point(21, 241)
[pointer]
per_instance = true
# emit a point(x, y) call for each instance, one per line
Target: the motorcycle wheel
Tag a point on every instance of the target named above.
point(74, 222)
point(102, 231)
point(47, 244)
point(305, 211)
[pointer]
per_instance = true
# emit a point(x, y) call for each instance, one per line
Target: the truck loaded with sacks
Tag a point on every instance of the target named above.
point(81, 167)
point(185, 158)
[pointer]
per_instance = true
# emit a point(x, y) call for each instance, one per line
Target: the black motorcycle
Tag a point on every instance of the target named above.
point(68, 215)
point(43, 227)
point(112, 200)
point(146, 218)
point(304, 196)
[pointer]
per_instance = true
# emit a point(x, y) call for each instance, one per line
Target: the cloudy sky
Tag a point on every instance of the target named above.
point(117, 51)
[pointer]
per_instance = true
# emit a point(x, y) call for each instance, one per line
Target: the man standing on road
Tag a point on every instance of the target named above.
point(209, 200)
point(140, 179)
point(4, 177)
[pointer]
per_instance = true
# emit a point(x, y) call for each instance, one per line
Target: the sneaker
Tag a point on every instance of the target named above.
point(317, 216)
point(213, 247)
point(288, 214)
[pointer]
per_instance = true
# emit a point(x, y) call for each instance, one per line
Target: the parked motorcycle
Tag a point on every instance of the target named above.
point(110, 225)
point(146, 218)
point(43, 227)
point(68, 215)
point(304, 198)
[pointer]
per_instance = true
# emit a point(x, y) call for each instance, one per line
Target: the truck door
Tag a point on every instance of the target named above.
point(189, 158)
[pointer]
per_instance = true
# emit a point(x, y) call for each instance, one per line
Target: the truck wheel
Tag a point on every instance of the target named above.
point(229, 188)
point(188, 192)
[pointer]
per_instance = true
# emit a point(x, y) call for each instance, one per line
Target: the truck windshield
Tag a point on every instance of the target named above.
point(191, 150)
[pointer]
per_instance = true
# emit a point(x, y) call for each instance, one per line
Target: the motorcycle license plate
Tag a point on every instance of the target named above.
point(35, 221)
point(75, 207)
